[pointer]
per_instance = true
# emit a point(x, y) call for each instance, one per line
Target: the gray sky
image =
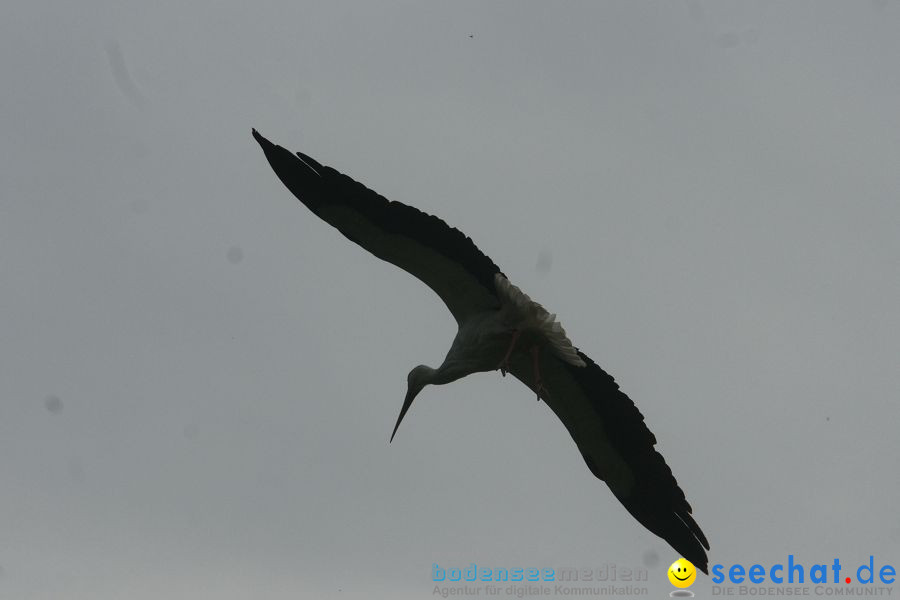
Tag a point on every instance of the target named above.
point(200, 377)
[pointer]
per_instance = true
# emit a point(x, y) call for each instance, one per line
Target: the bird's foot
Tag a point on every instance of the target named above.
point(538, 388)
point(504, 363)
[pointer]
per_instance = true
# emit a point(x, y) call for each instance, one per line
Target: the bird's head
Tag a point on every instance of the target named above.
point(417, 379)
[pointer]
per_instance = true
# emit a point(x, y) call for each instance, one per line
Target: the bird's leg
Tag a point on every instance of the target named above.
point(504, 364)
point(538, 384)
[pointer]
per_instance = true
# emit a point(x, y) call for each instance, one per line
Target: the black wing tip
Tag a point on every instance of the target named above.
point(272, 149)
point(681, 532)
point(687, 538)
point(259, 138)
point(703, 567)
point(299, 173)
point(268, 147)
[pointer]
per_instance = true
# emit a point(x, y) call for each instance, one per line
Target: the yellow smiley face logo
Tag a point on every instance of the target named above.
point(682, 573)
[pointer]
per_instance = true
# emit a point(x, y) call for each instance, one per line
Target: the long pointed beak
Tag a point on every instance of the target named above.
point(407, 402)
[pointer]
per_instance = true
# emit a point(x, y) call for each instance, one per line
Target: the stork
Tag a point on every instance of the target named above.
point(501, 328)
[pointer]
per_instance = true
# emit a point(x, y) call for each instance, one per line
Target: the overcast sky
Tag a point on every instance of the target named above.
point(199, 377)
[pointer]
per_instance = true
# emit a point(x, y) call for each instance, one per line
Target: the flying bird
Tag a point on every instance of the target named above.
point(501, 328)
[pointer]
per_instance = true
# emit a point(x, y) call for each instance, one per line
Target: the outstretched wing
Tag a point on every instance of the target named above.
point(618, 448)
point(442, 257)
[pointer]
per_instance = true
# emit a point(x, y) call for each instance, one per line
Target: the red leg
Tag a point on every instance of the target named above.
point(504, 364)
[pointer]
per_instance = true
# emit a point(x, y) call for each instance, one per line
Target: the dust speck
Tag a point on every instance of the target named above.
point(76, 470)
point(191, 430)
point(728, 40)
point(53, 404)
point(235, 255)
point(751, 36)
point(544, 261)
point(140, 205)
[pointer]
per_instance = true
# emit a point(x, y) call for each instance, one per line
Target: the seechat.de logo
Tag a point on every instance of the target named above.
point(797, 572)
